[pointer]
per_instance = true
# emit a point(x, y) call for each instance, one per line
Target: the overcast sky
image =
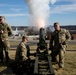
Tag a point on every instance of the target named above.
point(17, 12)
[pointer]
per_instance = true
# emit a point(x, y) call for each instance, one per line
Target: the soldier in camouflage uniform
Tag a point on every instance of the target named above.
point(21, 52)
point(58, 43)
point(5, 31)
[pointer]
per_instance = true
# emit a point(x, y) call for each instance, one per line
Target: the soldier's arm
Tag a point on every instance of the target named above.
point(9, 30)
point(68, 36)
point(23, 52)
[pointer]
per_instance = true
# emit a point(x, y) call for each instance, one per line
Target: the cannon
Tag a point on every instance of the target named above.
point(43, 64)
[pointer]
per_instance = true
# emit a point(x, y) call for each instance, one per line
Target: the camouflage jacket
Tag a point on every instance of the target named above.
point(21, 52)
point(7, 30)
point(60, 37)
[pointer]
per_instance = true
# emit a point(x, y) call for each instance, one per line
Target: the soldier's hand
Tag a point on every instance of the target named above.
point(64, 43)
point(50, 48)
point(1, 31)
point(49, 52)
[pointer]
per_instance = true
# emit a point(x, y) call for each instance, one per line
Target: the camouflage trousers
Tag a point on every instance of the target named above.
point(57, 50)
point(4, 45)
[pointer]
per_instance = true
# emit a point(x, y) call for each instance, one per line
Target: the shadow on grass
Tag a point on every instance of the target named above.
point(5, 68)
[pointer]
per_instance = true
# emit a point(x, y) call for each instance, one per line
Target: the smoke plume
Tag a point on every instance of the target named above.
point(39, 12)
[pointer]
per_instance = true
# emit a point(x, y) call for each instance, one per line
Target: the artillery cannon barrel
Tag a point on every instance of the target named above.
point(42, 35)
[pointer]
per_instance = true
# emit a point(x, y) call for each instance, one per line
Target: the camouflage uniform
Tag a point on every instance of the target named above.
point(58, 44)
point(4, 43)
point(21, 52)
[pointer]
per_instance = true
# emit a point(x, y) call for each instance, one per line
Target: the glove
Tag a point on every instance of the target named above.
point(64, 43)
point(50, 48)
point(9, 33)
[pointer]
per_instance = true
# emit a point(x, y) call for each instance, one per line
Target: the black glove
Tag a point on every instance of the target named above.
point(64, 43)
point(9, 33)
point(50, 48)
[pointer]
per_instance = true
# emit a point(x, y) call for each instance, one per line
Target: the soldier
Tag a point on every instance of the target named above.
point(58, 43)
point(21, 52)
point(5, 31)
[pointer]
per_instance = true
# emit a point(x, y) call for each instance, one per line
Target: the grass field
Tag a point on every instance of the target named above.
point(70, 61)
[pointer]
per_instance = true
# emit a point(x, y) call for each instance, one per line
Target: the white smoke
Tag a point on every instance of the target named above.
point(52, 1)
point(39, 10)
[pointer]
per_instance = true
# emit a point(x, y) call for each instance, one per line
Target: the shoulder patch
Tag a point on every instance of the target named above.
point(23, 45)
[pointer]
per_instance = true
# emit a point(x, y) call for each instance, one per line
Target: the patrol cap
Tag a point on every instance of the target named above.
point(1, 17)
point(56, 23)
point(24, 37)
